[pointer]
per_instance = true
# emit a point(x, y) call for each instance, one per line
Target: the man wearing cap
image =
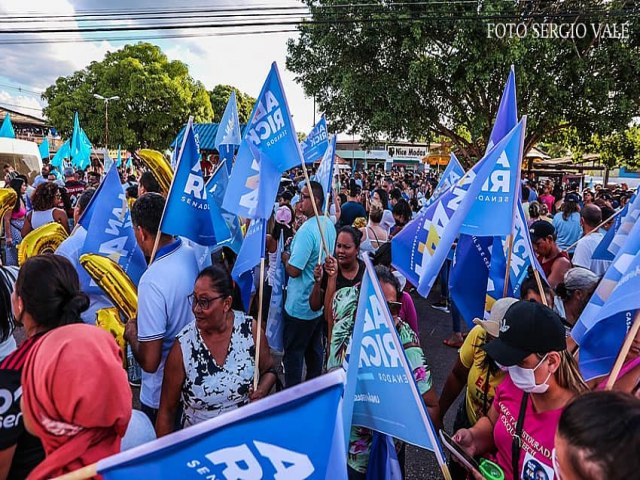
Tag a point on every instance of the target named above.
point(542, 379)
point(590, 218)
point(475, 370)
point(553, 261)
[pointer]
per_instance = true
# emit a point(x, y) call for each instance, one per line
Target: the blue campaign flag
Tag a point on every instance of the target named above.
point(507, 116)
point(324, 174)
point(119, 157)
point(270, 128)
point(316, 143)
point(601, 344)
point(379, 377)
point(44, 148)
point(109, 230)
point(522, 257)
point(187, 212)
point(383, 459)
point(420, 248)
point(80, 146)
point(228, 135)
point(251, 251)
point(450, 176)
point(627, 220)
point(275, 323)
point(217, 186)
point(253, 185)
point(469, 275)
point(108, 161)
point(293, 434)
point(63, 152)
point(6, 131)
point(608, 284)
point(602, 250)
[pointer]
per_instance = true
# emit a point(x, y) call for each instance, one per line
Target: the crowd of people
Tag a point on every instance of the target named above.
point(525, 405)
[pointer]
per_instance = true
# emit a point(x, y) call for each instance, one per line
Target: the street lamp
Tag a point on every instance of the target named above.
point(106, 115)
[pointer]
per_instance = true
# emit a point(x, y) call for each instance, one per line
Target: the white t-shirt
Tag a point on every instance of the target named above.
point(583, 255)
point(163, 308)
point(387, 221)
point(71, 248)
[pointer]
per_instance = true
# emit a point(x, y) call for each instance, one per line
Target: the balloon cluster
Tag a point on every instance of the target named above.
point(159, 167)
point(44, 239)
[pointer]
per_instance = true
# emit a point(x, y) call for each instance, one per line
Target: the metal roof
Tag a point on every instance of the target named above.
point(206, 134)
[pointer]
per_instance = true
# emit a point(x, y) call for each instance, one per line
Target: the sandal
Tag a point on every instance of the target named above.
point(452, 343)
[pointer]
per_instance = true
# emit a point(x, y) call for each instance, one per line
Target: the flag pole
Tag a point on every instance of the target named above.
point(543, 297)
point(315, 209)
point(505, 289)
point(631, 335)
point(83, 473)
point(595, 229)
point(256, 372)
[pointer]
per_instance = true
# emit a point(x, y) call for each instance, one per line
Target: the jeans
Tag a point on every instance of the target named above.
point(302, 343)
point(444, 280)
point(150, 412)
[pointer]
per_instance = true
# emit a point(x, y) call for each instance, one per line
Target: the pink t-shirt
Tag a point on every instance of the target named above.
point(537, 434)
point(548, 200)
point(408, 312)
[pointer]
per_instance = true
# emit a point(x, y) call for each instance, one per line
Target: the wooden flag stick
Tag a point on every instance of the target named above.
point(155, 245)
point(505, 289)
point(256, 372)
point(631, 335)
point(83, 473)
point(543, 296)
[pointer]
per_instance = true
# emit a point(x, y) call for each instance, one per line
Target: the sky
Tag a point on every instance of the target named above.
point(239, 60)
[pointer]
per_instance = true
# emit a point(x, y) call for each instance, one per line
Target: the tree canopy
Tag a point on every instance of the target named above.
point(219, 97)
point(157, 96)
point(419, 69)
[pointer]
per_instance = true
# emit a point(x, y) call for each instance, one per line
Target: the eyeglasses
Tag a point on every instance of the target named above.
point(394, 308)
point(203, 303)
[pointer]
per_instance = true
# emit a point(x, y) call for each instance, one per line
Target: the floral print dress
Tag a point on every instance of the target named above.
point(344, 306)
point(210, 389)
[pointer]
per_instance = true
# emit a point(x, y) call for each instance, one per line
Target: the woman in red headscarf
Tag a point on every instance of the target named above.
point(75, 398)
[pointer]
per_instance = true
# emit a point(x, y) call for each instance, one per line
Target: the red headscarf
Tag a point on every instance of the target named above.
point(76, 395)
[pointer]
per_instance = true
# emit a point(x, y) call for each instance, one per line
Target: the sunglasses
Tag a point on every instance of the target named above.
point(394, 308)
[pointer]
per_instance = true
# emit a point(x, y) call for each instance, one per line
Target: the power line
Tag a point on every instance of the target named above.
point(20, 89)
point(19, 106)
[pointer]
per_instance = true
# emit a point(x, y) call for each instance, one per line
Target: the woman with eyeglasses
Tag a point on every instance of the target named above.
point(44, 201)
point(345, 304)
point(210, 368)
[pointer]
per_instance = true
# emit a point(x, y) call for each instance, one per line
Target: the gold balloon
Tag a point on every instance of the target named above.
point(159, 167)
point(113, 281)
point(44, 239)
point(7, 200)
point(109, 319)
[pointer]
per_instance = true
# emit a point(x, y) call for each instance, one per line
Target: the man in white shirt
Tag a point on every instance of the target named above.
point(163, 307)
point(590, 218)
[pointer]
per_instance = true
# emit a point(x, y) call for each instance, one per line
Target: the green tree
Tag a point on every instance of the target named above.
point(157, 96)
point(220, 96)
point(418, 69)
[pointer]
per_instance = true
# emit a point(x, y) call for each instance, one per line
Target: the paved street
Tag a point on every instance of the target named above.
point(434, 326)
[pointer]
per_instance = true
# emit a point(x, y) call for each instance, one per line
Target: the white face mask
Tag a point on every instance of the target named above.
point(525, 378)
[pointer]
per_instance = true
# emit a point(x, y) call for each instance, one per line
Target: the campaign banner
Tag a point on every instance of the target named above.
point(316, 143)
point(293, 434)
point(275, 321)
point(420, 248)
point(188, 211)
point(607, 285)
point(450, 176)
point(110, 232)
point(379, 377)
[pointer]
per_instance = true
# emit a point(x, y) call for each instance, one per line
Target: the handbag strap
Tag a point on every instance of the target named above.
point(516, 443)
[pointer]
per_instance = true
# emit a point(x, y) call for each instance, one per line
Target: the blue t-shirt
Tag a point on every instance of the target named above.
point(305, 247)
point(350, 211)
point(163, 308)
point(568, 231)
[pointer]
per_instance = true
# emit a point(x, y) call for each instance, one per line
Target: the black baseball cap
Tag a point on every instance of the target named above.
point(572, 197)
point(527, 327)
point(541, 229)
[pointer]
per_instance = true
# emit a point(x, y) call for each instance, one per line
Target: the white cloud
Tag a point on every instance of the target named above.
point(239, 60)
point(21, 103)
